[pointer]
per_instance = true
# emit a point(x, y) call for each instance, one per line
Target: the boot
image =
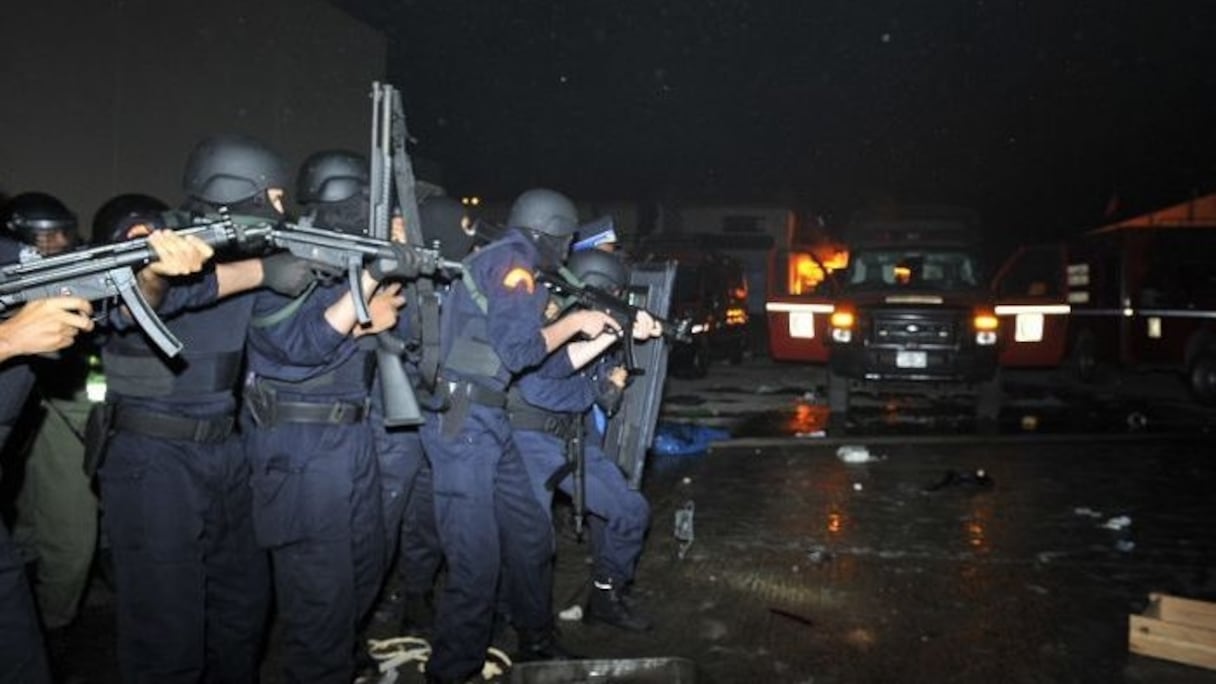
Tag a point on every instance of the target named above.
point(541, 644)
point(609, 605)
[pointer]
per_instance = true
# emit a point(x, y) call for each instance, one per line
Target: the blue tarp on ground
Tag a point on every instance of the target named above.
point(685, 439)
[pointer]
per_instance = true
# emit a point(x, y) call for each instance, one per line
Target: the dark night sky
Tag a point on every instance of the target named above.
point(1035, 113)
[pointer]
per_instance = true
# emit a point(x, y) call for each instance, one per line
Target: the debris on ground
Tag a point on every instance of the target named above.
point(856, 453)
point(1087, 512)
point(684, 527)
point(1118, 522)
point(572, 614)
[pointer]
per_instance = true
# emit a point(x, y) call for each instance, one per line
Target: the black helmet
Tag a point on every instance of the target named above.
point(31, 213)
point(228, 169)
point(443, 220)
point(332, 176)
point(598, 268)
point(544, 211)
point(119, 214)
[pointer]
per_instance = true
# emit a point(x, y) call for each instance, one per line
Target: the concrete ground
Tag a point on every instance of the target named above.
point(913, 566)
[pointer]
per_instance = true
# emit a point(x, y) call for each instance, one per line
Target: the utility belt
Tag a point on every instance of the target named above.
point(164, 426)
point(454, 399)
point(268, 410)
point(526, 417)
point(451, 392)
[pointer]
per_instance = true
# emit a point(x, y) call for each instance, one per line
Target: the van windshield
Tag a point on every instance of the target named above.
point(898, 269)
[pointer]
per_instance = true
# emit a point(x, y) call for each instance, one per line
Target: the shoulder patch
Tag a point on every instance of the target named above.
point(517, 277)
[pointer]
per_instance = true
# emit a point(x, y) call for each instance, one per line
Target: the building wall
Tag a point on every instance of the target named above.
point(108, 96)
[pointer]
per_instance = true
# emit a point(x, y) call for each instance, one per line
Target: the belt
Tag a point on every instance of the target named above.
point(540, 420)
point(201, 430)
point(473, 392)
point(334, 413)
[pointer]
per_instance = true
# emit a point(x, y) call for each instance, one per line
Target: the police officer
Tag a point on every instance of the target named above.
point(192, 585)
point(315, 475)
point(56, 523)
point(42, 326)
point(549, 413)
point(492, 330)
point(405, 475)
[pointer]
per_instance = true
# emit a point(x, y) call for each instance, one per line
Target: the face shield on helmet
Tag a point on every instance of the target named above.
point(40, 221)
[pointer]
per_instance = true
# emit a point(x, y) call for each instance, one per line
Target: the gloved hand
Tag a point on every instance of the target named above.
point(286, 274)
point(405, 263)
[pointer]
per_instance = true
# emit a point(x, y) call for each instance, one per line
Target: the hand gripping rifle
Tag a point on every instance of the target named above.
point(622, 311)
point(109, 271)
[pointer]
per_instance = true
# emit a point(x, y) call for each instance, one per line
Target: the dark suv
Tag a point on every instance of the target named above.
point(711, 292)
point(913, 315)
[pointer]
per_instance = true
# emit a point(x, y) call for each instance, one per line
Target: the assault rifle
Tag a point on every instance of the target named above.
point(109, 271)
point(622, 311)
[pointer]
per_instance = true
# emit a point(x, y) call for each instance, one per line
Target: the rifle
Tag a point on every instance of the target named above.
point(622, 311)
point(388, 139)
point(109, 271)
point(392, 169)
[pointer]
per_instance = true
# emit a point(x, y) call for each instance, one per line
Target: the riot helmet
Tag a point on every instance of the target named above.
point(41, 221)
point(234, 171)
point(332, 176)
point(549, 218)
point(443, 220)
point(333, 187)
point(599, 234)
point(114, 220)
point(599, 269)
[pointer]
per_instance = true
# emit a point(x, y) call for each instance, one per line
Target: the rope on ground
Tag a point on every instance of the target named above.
point(392, 654)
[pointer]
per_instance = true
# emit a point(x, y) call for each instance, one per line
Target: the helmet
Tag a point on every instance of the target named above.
point(32, 214)
point(598, 268)
point(544, 211)
point(443, 221)
point(332, 176)
point(227, 169)
point(119, 214)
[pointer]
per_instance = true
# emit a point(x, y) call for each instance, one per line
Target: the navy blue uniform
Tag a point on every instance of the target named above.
point(406, 495)
point(484, 506)
point(623, 515)
point(193, 588)
point(315, 479)
point(21, 655)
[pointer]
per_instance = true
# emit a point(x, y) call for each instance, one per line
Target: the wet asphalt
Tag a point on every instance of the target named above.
point(944, 556)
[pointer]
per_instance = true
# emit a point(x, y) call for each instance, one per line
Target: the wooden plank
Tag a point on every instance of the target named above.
point(1185, 611)
point(1180, 643)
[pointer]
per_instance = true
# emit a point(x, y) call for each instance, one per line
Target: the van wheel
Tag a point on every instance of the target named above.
point(1201, 377)
point(838, 404)
point(1084, 358)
